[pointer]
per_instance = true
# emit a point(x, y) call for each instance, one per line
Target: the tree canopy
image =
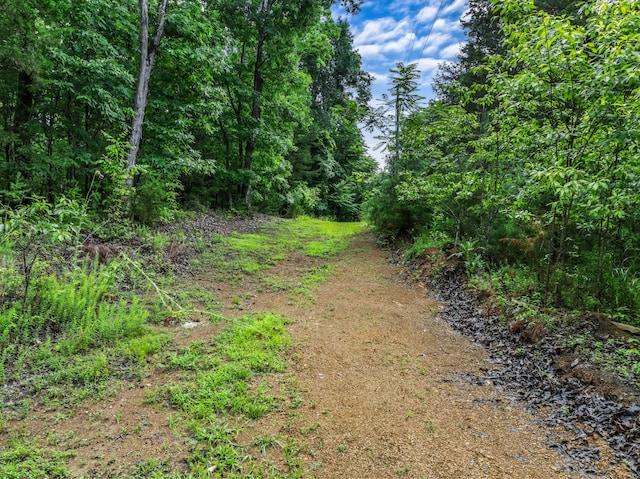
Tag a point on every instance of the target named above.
point(530, 152)
point(244, 105)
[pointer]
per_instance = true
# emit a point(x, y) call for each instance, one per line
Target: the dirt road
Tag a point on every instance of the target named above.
point(376, 387)
point(383, 386)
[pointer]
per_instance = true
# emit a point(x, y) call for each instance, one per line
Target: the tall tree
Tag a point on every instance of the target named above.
point(399, 103)
point(148, 52)
point(454, 81)
point(262, 36)
point(330, 153)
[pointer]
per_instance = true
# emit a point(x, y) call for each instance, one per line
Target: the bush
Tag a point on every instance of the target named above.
point(77, 308)
point(389, 216)
point(155, 198)
point(300, 201)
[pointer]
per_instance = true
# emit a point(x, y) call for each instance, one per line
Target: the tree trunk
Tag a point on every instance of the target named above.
point(396, 154)
point(147, 59)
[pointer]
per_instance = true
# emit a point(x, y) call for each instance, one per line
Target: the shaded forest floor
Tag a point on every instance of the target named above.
point(373, 384)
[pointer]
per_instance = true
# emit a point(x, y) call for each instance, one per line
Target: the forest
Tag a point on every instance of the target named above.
point(529, 156)
point(117, 114)
point(233, 104)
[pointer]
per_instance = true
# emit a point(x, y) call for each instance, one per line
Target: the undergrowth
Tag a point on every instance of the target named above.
point(74, 331)
point(514, 292)
point(73, 328)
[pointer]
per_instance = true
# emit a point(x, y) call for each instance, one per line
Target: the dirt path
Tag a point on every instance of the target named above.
point(380, 381)
point(380, 375)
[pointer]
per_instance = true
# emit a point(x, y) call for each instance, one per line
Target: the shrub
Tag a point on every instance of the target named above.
point(155, 198)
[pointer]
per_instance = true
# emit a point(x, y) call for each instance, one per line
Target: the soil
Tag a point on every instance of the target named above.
point(388, 388)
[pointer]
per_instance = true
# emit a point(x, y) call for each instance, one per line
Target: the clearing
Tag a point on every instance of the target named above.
point(332, 367)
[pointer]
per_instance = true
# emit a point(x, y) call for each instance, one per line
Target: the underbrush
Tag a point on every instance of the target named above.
point(514, 293)
point(83, 321)
point(73, 331)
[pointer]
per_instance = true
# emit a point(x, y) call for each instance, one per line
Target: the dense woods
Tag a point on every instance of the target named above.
point(529, 156)
point(197, 104)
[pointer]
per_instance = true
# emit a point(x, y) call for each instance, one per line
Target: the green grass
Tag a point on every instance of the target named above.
point(240, 255)
point(87, 328)
point(23, 458)
point(75, 332)
point(316, 276)
point(249, 346)
point(223, 389)
point(615, 355)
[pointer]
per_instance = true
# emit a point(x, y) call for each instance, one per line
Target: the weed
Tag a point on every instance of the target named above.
point(264, 443)
point(342, 449)
point(222, 389)
point(150, 468)
point(431, 428)
point(312, 280)
point(175, 420)
point(403, 471)
point(88, 325)
point(23, 457)
point(312, 428)
point(433, 239)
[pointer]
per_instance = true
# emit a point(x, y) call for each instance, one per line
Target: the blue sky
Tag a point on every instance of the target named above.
point(391, 31)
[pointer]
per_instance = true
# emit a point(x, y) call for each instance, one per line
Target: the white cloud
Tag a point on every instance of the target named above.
point(455, 7)
point(379, 76)
point(370, 52)
point(381, 30)
point(391, 31)
point(427, 14)
point(439, 38)
point(446, 25)
point(451, 51)
point(428, 65)
point(406, 6)
point(400, 45)
point(433, 44)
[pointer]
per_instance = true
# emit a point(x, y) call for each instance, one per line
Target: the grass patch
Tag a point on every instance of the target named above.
point(75, 331)
point(249, 346)
point(615, 355)
point(85, 327)
point(240, 255)
point(223, 389)
point(311, 281)
point(23, 458)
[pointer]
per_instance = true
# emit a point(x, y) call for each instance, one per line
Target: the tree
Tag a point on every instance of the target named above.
point(572, 112)
point(233, 97)
point(78, 86)
point(540, 161)
point(402, 100)
point(148, 52)
point(454, 83)
point(330, 153)
point(263, 45)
